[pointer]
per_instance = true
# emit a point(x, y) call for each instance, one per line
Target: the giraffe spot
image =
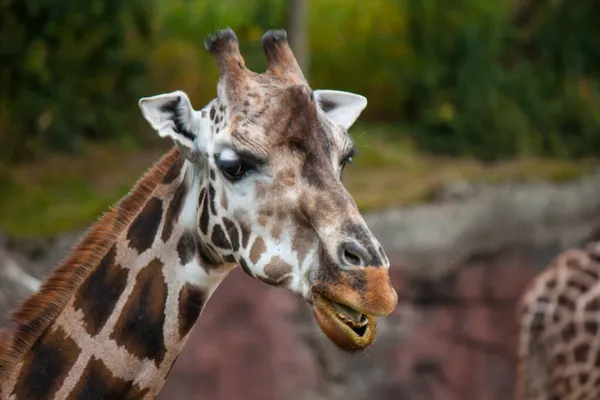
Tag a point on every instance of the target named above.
point(229, 258)
point(144, 227)
point(173, 212)
point(583, 378)
point(191, 303)
point(311, 171)
point(277, 269)
point(208, 257)
point(538, 320)
point(581, 352)
point(593, 305)
point(592, 273)
point(245, 234)
point(232, 233)
point(568, 332)
point(302, 243)
point(286, 177)
point(204, 212)
point(98, 295)
point(566, 302)
point(186, 247)
point(213, 111)
point(97, 382)
point(212, 174)
point(245, 267)
point(211, 195)
point(140, 326)
point(276, 230)
point(578, 287)
point(173, 171)
point(219, 239)
point(46, 366)
point(262, 220)
point(258, 248)
point(591, 327)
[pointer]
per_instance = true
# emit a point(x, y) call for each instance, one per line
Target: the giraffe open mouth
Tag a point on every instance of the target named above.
point(348, 328)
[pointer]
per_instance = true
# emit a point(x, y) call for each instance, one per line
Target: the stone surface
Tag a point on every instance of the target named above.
point(456, 341)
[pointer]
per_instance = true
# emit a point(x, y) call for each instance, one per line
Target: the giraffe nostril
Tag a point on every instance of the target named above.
point(352, 254)
point(351, 258)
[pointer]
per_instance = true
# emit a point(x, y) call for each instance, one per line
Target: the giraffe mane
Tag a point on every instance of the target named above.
point(37, 312)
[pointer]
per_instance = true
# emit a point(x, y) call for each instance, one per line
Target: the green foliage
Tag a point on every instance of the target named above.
point(481, 78)
point(68, 71)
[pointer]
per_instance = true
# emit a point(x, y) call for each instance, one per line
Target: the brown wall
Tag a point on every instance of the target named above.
point(455, 340)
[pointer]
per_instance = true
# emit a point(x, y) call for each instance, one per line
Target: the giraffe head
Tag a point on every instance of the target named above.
point(268, 155)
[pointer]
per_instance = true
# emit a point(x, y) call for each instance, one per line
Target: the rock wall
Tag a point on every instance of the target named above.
point(459, 265)
point(454, 341)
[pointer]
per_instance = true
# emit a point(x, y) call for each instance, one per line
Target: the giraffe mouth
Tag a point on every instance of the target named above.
point(348, 328)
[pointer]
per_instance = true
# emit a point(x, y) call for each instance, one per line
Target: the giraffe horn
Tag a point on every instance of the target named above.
point(224, 46)
point(280, 58)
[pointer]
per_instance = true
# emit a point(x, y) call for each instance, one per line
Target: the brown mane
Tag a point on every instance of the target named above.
point(36, 313)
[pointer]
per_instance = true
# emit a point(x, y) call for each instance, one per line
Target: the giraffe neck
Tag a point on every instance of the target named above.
point(122, 329)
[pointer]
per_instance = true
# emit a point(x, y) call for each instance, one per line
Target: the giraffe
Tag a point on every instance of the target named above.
point(253, 179)
point(559, 329)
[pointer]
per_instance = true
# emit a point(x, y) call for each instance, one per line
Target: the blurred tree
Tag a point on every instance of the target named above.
point(483, 78)
point(298, 32)
point(68, 70)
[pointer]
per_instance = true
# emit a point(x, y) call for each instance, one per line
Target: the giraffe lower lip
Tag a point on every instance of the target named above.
point(347, 328)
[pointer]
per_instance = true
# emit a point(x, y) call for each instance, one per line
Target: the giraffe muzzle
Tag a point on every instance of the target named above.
point(347, 303)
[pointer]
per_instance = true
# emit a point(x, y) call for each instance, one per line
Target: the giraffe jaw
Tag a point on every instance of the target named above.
point(344, 326)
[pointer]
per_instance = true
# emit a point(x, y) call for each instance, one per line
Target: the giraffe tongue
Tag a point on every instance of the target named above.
point(350, 316)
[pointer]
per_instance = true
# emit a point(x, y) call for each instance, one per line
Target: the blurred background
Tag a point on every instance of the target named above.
point(477, 163)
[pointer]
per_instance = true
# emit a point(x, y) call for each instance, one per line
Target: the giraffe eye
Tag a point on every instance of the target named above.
point(232, 166)
point(348, 159)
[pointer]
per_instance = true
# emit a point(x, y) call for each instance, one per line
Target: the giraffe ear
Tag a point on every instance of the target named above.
point(342, 107)
point(172, 115)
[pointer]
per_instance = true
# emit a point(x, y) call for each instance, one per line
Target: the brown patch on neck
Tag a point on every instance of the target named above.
point(173, 211)
point(98, 382)
point(45, 369)
point(191, 303)
point(140, 327)
point(36, 313)
point(98, 295)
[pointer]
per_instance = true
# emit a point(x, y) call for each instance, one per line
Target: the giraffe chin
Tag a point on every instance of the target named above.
point(339, 324)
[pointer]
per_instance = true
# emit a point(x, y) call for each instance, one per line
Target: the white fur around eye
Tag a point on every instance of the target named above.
point(228, 155)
